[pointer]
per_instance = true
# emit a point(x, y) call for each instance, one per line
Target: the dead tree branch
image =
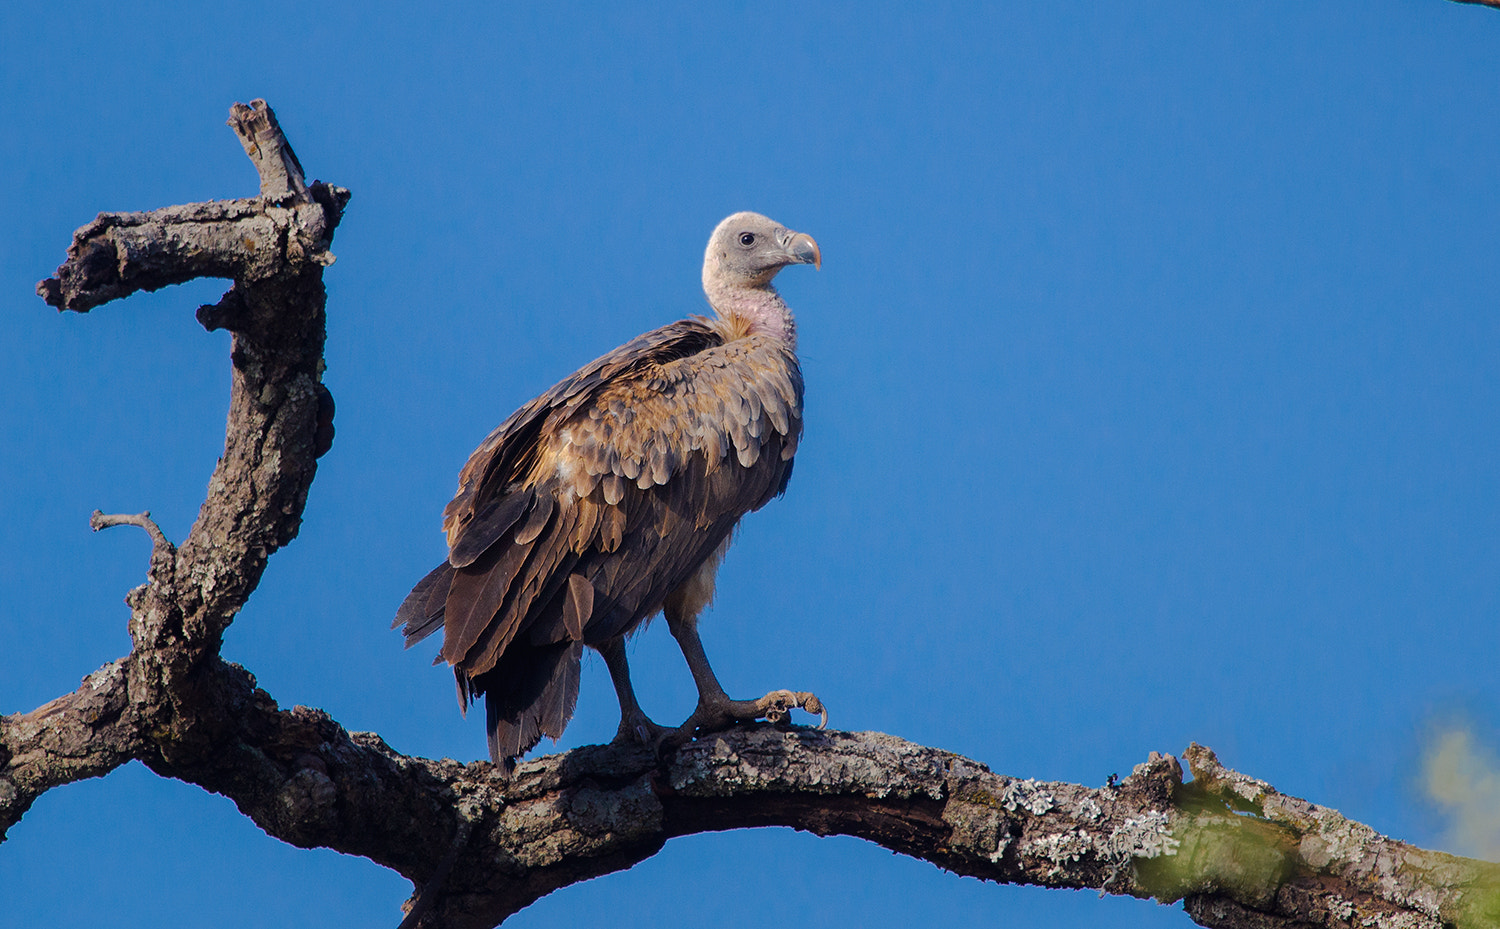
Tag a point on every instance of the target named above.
point(150, 704)
point(482, 846)
point(161, 547)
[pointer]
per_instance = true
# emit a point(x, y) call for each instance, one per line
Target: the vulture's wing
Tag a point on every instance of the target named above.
point(492, 493)
point(507, 454)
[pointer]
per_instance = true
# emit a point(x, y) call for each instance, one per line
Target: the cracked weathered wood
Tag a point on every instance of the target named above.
point(151, 704)
point(1237, 853)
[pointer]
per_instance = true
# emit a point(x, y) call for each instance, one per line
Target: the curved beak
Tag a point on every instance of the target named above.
point(802, 249)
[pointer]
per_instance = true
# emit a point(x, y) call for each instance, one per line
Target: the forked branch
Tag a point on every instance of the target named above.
point(150, 703)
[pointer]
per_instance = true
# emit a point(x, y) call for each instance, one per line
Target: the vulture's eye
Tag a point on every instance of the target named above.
point(747, 239)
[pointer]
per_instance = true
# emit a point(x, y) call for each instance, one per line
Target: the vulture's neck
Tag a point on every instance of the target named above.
point(759, 310)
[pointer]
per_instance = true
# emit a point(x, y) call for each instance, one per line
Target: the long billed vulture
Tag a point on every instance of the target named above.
point(612, 497)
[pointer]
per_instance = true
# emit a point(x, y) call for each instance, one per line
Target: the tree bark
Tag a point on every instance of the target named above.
point(479, 846)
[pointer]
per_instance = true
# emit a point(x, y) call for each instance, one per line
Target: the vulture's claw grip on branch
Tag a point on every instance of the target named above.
point(780, 703)
point(718, 712)
point(639, 730)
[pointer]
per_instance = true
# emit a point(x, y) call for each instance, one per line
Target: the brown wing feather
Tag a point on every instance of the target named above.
point(474, 597)
point(422, 610)
point(633, 471)
point(489, 525)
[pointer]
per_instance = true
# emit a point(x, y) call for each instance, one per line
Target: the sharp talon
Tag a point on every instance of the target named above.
point(812, 704)
point(775, 707)
point(637, 729)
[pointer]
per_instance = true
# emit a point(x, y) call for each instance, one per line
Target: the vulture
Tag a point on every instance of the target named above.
point(613, 497)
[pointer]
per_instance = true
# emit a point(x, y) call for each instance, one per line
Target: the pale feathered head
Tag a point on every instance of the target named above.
point(747, 249)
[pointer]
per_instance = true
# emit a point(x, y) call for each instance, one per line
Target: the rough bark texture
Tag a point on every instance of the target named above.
point(479, 846)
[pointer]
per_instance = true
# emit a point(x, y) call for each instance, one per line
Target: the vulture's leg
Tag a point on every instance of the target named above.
point(635, 725)
point(715, 709)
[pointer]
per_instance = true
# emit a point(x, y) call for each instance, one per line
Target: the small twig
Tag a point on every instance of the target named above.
point(159, 541)
point(422, 902)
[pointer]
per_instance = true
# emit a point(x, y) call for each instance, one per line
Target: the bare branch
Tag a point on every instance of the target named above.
point(256, 240)
point(84, 734)
point(149, 704)
point(159, 543)
point(1238, 853)
point(1489, 3)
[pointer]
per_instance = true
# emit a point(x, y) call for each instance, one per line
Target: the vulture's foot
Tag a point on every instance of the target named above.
point(638, 729)
point(721, 713)
point(777, 706)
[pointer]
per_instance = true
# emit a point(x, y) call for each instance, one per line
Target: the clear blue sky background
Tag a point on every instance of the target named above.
point(1152, 396)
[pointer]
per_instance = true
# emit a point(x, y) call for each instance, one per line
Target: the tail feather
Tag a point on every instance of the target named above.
point(555, 706)
point(529, 694)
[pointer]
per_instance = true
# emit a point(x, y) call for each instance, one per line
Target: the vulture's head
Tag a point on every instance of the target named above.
point(747, 250)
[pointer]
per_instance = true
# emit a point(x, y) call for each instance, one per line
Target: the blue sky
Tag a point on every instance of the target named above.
point(1151, 396)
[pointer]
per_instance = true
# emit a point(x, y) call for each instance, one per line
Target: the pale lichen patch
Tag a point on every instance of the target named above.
point(1060, 848)
point(1146, 836)
point(1026, 795)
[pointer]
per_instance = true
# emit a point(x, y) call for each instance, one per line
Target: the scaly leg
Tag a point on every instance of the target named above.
point(635, 725)
point(715, 709)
